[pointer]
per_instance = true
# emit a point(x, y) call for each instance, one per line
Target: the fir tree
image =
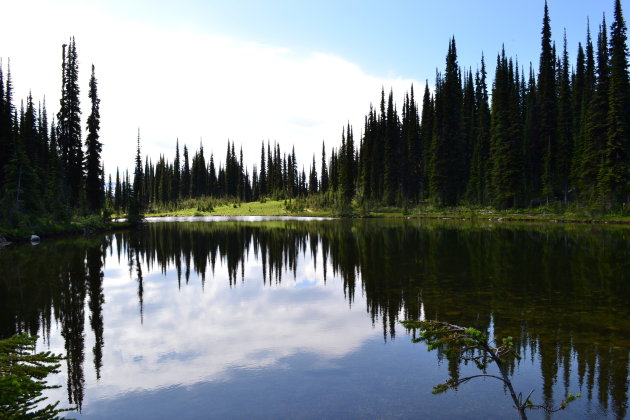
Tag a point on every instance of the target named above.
point(323, 187)
point(118, 193)
point(69, 125)
point(614, 175)
point(595, 123)
point(546, 142)
point(312, 179)
point(93, 184)
point(426, 135)
point(262, 177)
point(176, 183)
point(565, 125)
point(186, 175)
point(478, 179)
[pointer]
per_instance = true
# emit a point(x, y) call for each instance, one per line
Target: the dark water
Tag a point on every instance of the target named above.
point(300, 319)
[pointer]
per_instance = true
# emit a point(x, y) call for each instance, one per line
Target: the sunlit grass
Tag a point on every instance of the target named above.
point(426, 211)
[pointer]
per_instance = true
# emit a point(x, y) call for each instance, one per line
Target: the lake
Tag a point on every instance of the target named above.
point(290, 318)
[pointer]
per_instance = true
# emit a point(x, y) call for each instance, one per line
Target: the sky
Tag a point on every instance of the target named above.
point(292, 72)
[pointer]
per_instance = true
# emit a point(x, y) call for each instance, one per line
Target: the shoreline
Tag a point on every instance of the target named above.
point(87, 227)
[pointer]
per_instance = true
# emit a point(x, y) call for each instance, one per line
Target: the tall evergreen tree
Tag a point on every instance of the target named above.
point(262, 177)
point(505, 140)
point(93, 184)
point(426, 135)
point(546, 143)
point(118, 193)
point(323, 186)
point(596, 123)
point(176, 183)
point(448, 166)
point(138, 176)
point(391, 158)
point(614, 177)
point(69, 125)
point(565, 125)
point(312, 179)
point(186, 175)
point(478, 179)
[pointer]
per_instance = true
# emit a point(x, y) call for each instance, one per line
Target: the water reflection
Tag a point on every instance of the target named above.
point(561, 292)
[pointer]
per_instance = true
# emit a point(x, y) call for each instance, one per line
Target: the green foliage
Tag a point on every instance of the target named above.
point(467, 344)
point(23, 375)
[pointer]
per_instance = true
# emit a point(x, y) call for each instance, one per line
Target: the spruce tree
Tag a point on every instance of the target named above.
point(565, 125)
point(135, 206)
point(596, 124)
point(118, 193)
point(312, 179)
point(426, 135)
point(262, 177)
point(448, 166)
point(323, 186)
point(7, 126)
point(391, 159)
point(93, 184)
point(577, 100)
point(614, 177)
point(69, 125)
point(505, 140)
point(546, 142)
point(478, 179)
point(176, 183)
point(186, 175)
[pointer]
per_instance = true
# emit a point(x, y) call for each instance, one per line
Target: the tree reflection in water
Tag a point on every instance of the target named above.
point(560, 291)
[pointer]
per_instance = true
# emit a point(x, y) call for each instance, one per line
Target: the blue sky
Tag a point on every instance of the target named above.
point(298, 70)
point(401, 38)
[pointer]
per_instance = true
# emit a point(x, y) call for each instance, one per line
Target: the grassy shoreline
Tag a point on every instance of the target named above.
point(93, 224)
point(47, 228)
point(279, 208)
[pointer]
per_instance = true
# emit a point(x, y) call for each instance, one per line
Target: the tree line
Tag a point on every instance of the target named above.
point(45, 167)
point(560, 135)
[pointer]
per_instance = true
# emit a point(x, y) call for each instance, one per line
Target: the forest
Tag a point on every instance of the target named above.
point(558, 134)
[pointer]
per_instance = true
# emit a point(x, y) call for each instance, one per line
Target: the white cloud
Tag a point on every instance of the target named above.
point(188, 85)
point(215, 332)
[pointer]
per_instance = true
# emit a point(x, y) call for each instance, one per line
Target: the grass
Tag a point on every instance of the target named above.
point(551, 214)
point(255, 208)
point(45, 226)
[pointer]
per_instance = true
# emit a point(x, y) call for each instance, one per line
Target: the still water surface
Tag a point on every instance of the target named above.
point(283, 318)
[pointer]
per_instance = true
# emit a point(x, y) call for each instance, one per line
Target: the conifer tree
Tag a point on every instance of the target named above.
point(4, 138)
point(7, 128)
point(478, 179)
point(577, 100)
point(546, 142)
point(596, 124)
point(213, 184)
point(69, 125)
point(186, 175)
point(565, 125)
point(324, 171)
point(505, 136)
point(93, 184)
point(391, 158)
point(137, 174)
point(312, 179)
point(118, 193)
point(176, 183)
point(614, 177)
point(262, 177)
point(448, 167)
point(426, 135)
